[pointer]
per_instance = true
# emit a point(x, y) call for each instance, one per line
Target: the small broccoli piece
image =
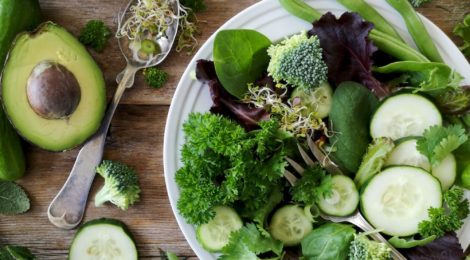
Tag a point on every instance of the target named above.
point(298, 61)
point(418, 3)
point(121, 185)
point(155, 77)
point(361, 248)
point(95, 34)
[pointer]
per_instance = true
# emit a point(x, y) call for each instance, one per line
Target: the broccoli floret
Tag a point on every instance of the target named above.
point(155, 77)
point(95, 34)
point(298, 61)
point(418, 3)
point(121, 185)
point(362, 248)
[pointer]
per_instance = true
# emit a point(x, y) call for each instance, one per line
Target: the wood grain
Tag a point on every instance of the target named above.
point(136, 136)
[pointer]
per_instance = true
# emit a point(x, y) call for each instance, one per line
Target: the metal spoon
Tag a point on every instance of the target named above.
point(67, 209)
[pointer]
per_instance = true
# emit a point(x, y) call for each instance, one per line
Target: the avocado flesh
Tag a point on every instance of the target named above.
point(52, 43)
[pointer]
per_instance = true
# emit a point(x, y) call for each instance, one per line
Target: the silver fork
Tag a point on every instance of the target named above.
point(356, 218)
point(359, 221)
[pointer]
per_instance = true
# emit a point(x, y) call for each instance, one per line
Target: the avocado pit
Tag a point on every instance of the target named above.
point(53, 91)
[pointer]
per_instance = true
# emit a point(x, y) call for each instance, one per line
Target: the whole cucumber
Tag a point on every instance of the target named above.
point(15, 16)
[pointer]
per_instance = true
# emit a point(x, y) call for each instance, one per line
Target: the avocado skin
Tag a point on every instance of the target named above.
point(15, 16)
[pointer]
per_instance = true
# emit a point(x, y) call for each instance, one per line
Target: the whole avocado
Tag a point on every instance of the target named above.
point(15, 16)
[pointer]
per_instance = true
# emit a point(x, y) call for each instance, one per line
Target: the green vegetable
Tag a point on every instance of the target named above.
point(430, 77)
point(12, 161)
point(465, 177)
point(409, 242)
point(247, 243)
point(418, 3)
point(121, 185)
point(95, 34)
point(13, 199)
point(353, 106)
point(298, 61)
point(463, 31)
point(240, 57)
point(416, 28)
point(371, 15)
point(223, 164)
point(439, 141)
point(373, 160)
point(317, 102)
point(103, 238)
point(260, 217)
point(447, 218)
point(314, 185)
point(328, 242)
point(362, 248)
point(16, 253)
point(155, 77)
point(384, 42)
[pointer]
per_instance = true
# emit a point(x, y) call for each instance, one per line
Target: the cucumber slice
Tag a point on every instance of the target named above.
point(398, 198)
point(344, 198)
point(290, 225)
point(404, 115)
point(317, 101)
point(215, 234)
point(446, 171)
point(407, 154)
point(103, 239)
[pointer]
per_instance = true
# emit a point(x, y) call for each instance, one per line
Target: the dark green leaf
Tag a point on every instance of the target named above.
point(463, 31)
point(13, 199)
point(16, 253)
point(328, 242)
point(351, 111)
point(240, 57)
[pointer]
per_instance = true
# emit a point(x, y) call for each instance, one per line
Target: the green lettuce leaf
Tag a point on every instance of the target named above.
point(13, 199)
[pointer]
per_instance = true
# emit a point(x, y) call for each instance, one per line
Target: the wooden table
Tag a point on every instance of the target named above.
point(136, 137)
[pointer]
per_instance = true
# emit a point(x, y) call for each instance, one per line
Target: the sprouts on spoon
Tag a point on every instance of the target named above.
point(147, 25)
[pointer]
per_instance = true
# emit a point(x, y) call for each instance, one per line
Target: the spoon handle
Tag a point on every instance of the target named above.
point(67, 209)
point(362, 223)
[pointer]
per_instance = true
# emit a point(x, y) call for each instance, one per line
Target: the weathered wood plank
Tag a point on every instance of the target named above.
point(137, 139)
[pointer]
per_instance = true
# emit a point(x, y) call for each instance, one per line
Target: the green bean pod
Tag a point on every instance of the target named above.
point(301, 9)
point(416, 28)
point(370, 14)
point(384, 42)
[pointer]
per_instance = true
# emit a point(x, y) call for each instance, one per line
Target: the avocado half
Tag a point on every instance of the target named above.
point(52, 90)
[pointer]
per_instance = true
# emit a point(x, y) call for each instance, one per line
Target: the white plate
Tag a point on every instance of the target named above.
point(269, 18)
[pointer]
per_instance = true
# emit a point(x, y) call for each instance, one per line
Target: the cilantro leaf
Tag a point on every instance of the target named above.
point(314, 185)
point(248, 242)
point(13, 199)
point(439, 141)
point(447, 218)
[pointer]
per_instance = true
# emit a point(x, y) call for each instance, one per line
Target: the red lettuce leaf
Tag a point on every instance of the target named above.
point(446, 247)
point(347, 50)
point(224, 103)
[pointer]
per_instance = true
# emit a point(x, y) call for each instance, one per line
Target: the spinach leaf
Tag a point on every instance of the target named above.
point(351, 111)
point(240, 57)
point(329, 241)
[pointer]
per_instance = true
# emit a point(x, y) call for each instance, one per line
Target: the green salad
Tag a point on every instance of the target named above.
point(343, 119)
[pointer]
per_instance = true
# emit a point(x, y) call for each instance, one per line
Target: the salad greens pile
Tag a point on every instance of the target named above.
point(388, 127)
